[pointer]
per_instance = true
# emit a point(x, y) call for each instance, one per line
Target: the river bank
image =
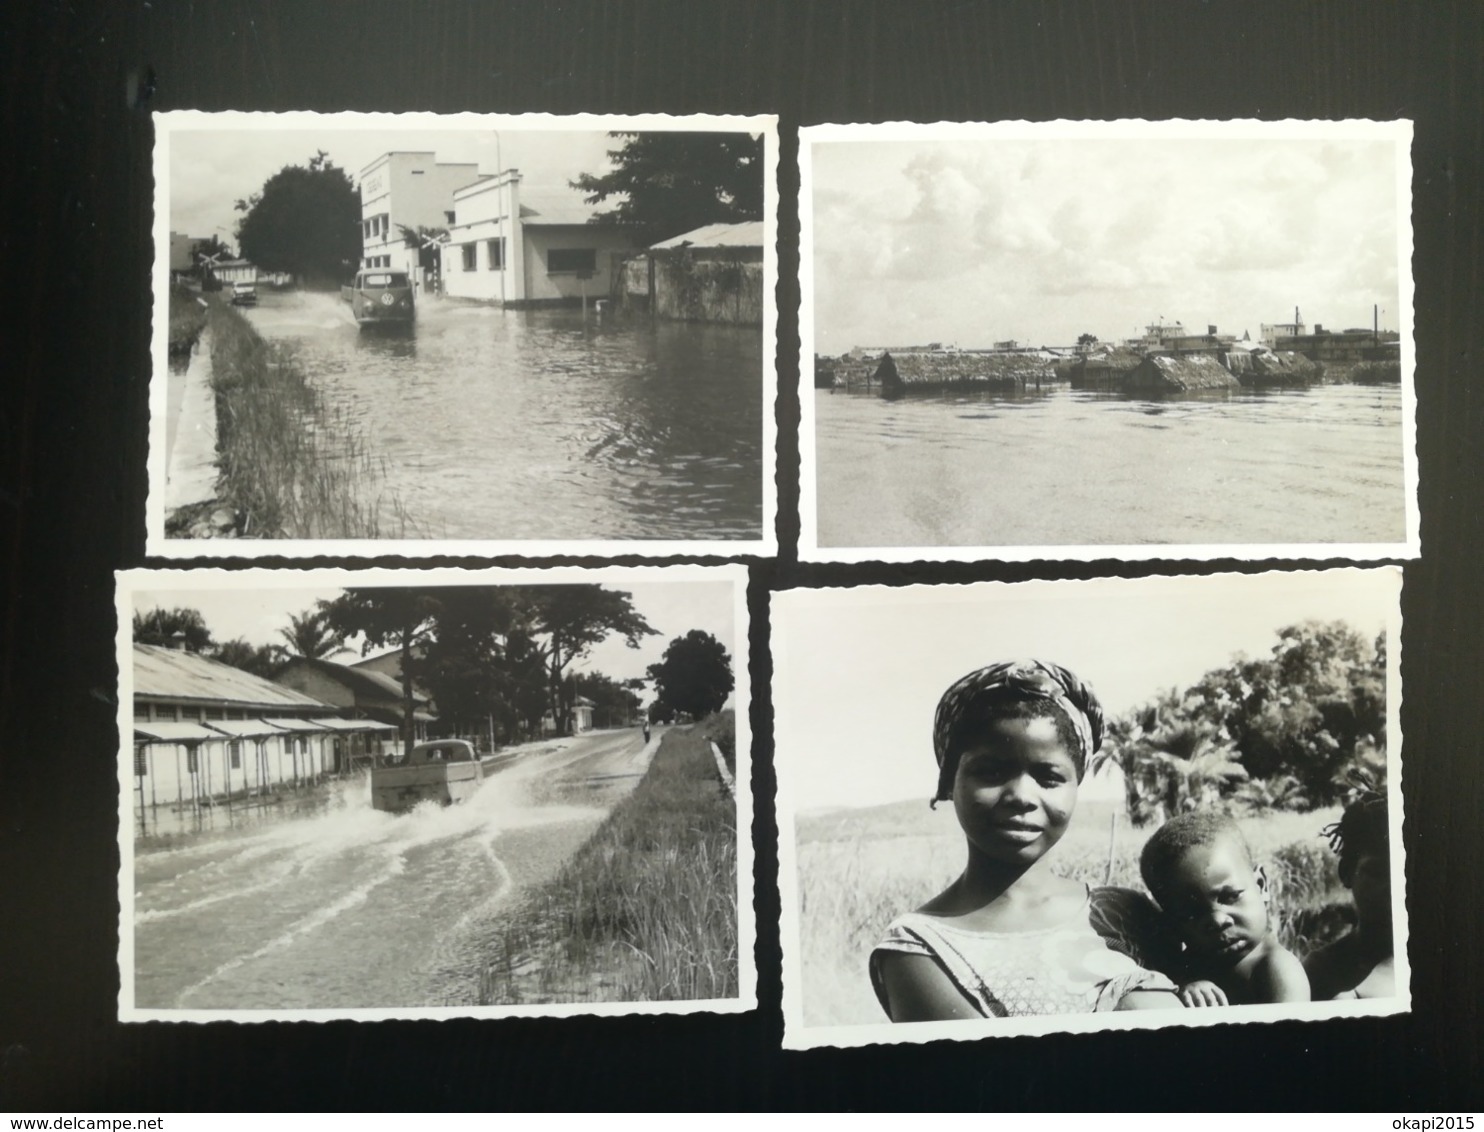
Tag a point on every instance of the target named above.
point(288, 466)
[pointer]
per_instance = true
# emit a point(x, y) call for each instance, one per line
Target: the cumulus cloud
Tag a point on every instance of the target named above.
point(1041, 240)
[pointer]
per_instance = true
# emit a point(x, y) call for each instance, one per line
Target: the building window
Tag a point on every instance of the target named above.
point(469, 254)
point(191, 759)
point(234, 748)
point(141, 762)
point(447, 217)
point(571, 261)
point(190, 712)
point(213, 713)
point(496, 253)
point(141, 712)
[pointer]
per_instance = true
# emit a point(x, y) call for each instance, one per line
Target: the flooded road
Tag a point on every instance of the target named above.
point(524, 424)
point(1068, 467)
point(354, 908)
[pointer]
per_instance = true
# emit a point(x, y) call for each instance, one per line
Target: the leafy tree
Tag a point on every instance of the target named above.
point(400, 616)
point(1298, 723)
point(170, 627)
point(260, 660)
point(694, 676)
point(672, 182)
point(466, 664)
point(1086, 342)
point(565, 622)
point(310, 636)
point(305, 220)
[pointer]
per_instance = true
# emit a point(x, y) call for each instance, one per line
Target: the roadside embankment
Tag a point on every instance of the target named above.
point(187, 320)
point(289, 467)
point(646, 910)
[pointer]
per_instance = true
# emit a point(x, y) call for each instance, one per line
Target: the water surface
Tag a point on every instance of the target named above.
point(1070, 467)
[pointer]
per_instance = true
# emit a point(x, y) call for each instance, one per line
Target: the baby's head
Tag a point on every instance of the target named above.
point(1016, 689)
point(1199, 870)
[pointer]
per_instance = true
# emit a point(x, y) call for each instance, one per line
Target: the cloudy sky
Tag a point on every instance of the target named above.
point(858, 672)
point(972, 240)
point(210, 169)
point(258, 613)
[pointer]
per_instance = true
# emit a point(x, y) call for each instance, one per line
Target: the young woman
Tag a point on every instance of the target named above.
point(1009, 936)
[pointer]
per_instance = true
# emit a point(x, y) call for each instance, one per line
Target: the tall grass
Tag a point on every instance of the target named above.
point(852, 884)
point(290, 468)
point(187, 317)
point(646, 910)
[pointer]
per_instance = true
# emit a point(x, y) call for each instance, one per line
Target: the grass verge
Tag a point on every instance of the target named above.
point(187, 318)
point(290, 468)
point(646, 910)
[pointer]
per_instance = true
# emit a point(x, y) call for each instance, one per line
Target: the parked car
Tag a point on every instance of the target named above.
point(245, 295)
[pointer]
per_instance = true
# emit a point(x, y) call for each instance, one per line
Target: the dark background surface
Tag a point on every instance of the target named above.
point(80, 81)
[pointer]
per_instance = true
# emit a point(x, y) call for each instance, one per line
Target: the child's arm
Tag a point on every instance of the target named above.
point(919, 990)
point(1280, 978)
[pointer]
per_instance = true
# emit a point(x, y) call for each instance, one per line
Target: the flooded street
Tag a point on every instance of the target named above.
point(1068, 467)
point(354, 908)
point(490, 423)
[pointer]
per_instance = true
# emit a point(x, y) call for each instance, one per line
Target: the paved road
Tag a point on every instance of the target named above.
point(354, 908)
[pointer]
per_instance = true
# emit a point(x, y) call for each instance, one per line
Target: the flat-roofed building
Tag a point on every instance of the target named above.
point(407, 190)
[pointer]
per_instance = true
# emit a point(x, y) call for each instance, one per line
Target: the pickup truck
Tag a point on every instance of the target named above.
point(444, 771)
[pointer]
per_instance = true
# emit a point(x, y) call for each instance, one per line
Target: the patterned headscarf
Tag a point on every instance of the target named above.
point(1016, 681)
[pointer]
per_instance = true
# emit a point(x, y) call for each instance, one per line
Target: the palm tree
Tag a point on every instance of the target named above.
point(1196, 768)
point(310, 636)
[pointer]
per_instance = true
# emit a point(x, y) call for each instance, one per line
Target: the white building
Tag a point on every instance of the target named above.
point(408, 190)
point(512, 246)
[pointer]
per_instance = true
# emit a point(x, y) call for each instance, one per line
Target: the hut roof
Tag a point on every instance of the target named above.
point(938, 369)
point(745, 234)
point(1191, 371)
point(170, 674)
point(1282, 362)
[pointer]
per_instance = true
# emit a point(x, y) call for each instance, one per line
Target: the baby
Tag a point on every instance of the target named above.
point(1361, 964)
point(1200, 872)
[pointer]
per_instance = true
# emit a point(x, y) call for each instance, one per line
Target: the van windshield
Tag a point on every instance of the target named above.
point(384, 279)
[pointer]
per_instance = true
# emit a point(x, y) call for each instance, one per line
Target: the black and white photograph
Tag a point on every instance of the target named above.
point(433, 794)
point(1022, 808)
point(530, 334)
point(1094, 339)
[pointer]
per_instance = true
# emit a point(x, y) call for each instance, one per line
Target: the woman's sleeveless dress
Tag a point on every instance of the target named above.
point(1087, 964)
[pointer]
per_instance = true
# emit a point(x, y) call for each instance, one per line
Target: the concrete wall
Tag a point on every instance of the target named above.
point(707, 290)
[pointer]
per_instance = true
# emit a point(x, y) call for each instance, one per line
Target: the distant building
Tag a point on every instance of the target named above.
point(515, 246)
point(1270, 332)
point(362, 692)
point(206, 733)
point(183, 251)
point(408, 190)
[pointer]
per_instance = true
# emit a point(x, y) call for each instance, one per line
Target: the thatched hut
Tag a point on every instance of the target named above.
point(938, 371)
point(1376, 373)
point(1281, 367)
point(1160, 374)
point(1104, 370)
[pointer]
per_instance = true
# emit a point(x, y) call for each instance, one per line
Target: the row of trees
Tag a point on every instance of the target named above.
point(306, 218)
point(497, 657)
point(1290, 730)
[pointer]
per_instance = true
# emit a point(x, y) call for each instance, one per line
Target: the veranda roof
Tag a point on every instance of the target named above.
point(288, 724)
point(355, 724)
point(244, 728)
point(170, 731)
